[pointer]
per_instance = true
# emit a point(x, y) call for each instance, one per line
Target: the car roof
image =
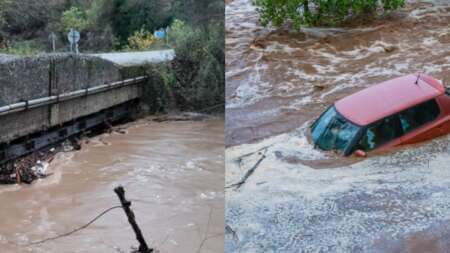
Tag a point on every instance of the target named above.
point(389, 97)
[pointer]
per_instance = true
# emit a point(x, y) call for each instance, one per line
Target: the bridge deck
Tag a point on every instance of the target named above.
point(138, 58)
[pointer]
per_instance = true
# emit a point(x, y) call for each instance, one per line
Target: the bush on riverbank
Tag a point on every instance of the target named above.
point(198, 70)
point(194, 80)
point(319, 12)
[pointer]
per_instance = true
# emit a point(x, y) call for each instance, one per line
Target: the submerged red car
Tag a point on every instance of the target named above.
point(403, 110)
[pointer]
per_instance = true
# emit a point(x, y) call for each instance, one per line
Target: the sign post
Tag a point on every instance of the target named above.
point(167, 35)
point(74, 37)
point(52, 38)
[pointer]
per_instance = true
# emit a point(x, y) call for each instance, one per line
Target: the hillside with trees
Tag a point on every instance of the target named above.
point(104, 24)
point(195, 31)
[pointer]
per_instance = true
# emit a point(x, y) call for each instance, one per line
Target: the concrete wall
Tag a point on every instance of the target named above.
point(17, 125)
point(36, 77)
point(28, 78)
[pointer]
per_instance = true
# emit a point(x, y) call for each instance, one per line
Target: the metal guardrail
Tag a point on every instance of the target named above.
point(39, 102)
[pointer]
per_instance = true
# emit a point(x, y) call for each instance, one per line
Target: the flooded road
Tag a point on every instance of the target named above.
point(172, 172)
point(278, 82)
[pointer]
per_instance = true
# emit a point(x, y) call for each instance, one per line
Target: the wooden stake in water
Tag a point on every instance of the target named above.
point(143, 248)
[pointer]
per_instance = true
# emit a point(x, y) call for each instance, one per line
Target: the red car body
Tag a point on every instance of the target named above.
point(393, 100)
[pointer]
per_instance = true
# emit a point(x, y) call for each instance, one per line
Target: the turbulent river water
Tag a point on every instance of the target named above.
point(172, 172)
point(278, 81)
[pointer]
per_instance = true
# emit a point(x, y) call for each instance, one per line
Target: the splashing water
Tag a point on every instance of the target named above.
point(278, 81)
point(172, 172)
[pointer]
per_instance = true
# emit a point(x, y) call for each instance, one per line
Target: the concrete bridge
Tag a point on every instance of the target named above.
point(48, 98)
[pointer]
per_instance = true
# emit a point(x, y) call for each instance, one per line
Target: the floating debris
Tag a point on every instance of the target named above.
point(34, 166)
point(40, 168)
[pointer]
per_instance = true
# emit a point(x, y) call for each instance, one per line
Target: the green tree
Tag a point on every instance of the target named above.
point(95, 12)
point(199, 65)
point(131, 16)
point(199, 12)
point(25, 16)
point(74, 18)
point(319, 12)
point(3, 6)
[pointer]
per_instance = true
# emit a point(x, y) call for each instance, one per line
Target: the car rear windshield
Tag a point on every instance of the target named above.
point(333, 132)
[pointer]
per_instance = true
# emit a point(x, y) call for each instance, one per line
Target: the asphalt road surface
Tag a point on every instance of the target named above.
point(138, 58)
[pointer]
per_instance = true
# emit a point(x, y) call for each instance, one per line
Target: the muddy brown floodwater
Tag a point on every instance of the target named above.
point(171, 171)
point(278, 82)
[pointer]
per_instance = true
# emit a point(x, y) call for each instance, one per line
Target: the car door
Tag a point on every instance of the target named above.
point(383, 133)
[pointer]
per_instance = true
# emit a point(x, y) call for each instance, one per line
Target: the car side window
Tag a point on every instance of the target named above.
point(419, 115)
point(381, 133)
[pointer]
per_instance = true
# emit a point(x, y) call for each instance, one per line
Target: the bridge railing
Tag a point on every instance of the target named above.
point(39, 102)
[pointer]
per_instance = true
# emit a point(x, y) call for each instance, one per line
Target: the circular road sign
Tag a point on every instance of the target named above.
point(73, 36)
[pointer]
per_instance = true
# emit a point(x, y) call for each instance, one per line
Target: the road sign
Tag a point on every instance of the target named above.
point(73, 36)
point(159, 34)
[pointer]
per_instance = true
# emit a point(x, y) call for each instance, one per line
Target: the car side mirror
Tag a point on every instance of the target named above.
point(360, 153)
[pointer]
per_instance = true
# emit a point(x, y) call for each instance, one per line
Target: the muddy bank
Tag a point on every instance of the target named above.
point(279, 79)
point(172, 171)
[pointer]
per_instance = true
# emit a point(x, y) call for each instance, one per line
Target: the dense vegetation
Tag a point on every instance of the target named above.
point(320, 12)
point(196, 32)
point(196, 79)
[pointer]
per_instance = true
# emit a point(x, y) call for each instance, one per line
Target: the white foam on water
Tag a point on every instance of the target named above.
point(275, 46)
point(293, 144)
point(285, 206)
point(299, 103)
point(236, 72)
point(249, 91)
point(291, 206)
point(429, 41)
